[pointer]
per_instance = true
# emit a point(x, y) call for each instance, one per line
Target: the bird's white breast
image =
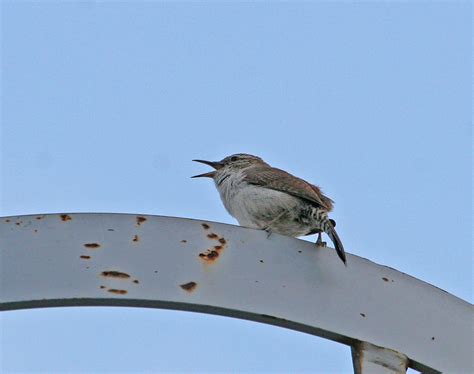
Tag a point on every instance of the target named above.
point(253, 206)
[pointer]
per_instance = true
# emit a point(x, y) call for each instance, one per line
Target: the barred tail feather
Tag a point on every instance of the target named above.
point(337, 243)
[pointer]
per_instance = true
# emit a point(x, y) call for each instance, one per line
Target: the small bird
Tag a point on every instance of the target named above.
point(263, 197)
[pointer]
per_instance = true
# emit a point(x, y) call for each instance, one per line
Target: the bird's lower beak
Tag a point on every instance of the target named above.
point(215, 164)
point(208, 175)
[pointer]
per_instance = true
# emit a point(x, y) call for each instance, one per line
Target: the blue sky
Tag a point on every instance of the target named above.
point(105, 104)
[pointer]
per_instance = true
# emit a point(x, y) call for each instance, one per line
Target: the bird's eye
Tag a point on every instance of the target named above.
point(234, 158)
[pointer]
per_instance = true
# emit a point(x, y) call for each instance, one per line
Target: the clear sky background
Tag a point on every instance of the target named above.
point(105, 104)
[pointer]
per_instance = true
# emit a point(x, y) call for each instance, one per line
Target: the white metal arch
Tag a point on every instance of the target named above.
point(390, 319)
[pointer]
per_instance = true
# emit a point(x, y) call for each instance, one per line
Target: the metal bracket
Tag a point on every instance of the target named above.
point(370, 359)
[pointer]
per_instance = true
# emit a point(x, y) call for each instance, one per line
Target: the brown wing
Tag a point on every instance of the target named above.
point(280, 180)
point(328, 203)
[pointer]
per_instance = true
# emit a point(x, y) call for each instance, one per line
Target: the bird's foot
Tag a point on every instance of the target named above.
point(269, 231)
point(319, 242)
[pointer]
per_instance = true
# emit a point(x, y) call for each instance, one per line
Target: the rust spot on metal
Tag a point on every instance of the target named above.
point(65, 217)
point(115, 274)
point(136, 238)
point(140, 220)
point(136, 281)
point(212, 254)
point(385, 279)
point(85, 257)
point(92, 245)
point(209, 255)
point(205, 226)
point(118, 292)
point(190, 286)
point(184, 241)
point(362, 314)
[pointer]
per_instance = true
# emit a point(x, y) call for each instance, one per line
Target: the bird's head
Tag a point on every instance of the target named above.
point(230, 164)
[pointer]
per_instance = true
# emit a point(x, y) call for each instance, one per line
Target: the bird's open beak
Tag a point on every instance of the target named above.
point(215, 164)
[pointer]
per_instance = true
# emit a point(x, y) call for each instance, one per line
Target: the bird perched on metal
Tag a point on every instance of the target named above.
point(263, 197)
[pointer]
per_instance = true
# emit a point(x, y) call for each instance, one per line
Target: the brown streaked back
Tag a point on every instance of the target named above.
point(280, 180)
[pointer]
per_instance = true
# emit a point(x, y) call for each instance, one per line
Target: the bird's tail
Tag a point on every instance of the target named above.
point(331, 231)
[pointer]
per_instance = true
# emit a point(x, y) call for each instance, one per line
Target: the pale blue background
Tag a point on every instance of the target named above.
point(104, 105)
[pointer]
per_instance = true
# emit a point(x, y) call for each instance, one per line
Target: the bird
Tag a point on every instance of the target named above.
point(262, 197)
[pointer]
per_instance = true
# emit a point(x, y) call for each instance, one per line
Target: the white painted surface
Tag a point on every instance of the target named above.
point(280, 280)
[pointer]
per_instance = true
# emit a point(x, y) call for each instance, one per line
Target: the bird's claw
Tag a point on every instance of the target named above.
point(269, 232)
point(320, 242)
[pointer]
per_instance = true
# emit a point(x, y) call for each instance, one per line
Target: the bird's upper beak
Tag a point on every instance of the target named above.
point(215, 164)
